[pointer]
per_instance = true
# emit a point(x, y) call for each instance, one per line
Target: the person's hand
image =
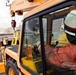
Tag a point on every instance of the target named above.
point(69, 65)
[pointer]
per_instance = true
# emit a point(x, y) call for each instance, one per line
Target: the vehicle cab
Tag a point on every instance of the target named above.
point(42, 25)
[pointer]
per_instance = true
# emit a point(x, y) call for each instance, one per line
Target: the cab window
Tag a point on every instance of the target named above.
point(30, 57)
point(56, 36)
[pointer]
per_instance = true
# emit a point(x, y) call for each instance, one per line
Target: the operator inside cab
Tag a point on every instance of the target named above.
point(64, 57)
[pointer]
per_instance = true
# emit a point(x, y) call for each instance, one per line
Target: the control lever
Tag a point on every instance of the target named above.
point(35, 49)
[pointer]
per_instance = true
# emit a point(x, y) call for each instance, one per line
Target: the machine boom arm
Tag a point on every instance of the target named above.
point(24, 5)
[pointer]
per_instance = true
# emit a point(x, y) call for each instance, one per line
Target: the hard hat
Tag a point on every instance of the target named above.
point(70, 23)
point(70, 27)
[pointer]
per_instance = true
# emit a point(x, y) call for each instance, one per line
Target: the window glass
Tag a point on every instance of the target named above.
point(44, 21)
point(31, 58)
point(57, 29)
point(53, 27)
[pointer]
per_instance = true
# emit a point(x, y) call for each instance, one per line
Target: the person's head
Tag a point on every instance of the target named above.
point(70, 26)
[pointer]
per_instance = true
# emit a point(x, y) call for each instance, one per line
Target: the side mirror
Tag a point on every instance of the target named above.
point(5, 41)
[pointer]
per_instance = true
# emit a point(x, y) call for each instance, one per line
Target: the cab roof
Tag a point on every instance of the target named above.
point(41, 7)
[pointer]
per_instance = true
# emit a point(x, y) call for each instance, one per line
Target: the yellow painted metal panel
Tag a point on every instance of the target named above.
point(41, 7)
point(2, 67)
point(24, 5)
point(29, 63)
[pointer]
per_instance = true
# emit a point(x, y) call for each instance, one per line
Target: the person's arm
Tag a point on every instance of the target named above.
point(60, 57)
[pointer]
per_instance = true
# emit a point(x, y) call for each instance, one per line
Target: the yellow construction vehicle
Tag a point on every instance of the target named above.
point(41, 24)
